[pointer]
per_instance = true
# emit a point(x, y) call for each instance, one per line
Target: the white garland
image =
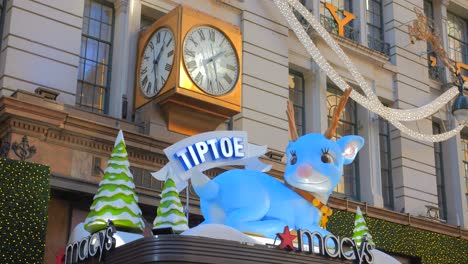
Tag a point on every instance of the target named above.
point(123, 216)
point(171, 198)
point(118, 171)
point(108, 193)
point(129, 184)
point(120, 155)
point(118, 204)
point(168, 189)
point(119, 162)
point(173, 218)
point(170, 207)
point(371, 102)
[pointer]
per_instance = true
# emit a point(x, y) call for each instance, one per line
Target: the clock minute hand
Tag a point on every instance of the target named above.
point(218, 55)
point(156, 61)
point(213, 59)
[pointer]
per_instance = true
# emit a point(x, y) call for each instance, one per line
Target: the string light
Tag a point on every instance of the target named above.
point(370, 102)
point(402, 239)
point(24, 195)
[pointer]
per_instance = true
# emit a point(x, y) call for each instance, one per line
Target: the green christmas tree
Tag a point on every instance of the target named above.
point(115, 199)
point(170, 211)
point(360, 229)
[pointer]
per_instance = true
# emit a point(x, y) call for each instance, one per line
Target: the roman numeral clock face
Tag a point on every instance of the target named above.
point(156, 63)
point(210, 60)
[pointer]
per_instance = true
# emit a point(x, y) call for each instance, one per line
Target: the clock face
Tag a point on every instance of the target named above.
point(210, 60)
point(157, 61)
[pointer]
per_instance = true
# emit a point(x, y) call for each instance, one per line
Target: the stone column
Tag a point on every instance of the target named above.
point(316, 102)
point(133, 34)
point(126, 27)
point(360, 10)
point(440, 24)
point(415, 184)
point(370, 182)
point(457, 210)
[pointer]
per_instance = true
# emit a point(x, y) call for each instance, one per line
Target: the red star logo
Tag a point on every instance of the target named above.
point(286, 239)
point(60, 258)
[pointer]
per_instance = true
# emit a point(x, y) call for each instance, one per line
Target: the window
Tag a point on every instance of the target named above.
point(439, 167)
point(375, 36)
point(2, 18)
point(329, 22)
point(142, 178)
point(296, 95)
point(95, 56)
point(457, 39)
point(386, 163)
point(464, 141)
point(436, 72)
point(349, 184)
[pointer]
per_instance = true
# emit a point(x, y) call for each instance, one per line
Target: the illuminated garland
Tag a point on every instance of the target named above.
point(370, 101)
point(430, 247)
point(24, 195)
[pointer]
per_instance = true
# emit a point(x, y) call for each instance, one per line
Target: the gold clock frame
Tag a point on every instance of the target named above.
point(228, 39)
point(187, 108)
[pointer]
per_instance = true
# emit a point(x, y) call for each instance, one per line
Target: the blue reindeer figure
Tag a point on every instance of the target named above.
point(257, 203)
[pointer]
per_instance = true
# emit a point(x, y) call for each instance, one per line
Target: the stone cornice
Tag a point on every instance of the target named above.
point(121, 6)
point(31, 115)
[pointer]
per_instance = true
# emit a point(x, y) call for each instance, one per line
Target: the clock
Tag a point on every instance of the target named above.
point(210, 60)
point(158, 58)
point(194, 70)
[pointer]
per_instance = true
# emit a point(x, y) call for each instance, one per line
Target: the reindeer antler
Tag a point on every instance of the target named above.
point(337, 113)
point(292, 122)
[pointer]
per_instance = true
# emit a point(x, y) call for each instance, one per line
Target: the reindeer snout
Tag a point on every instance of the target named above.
point(304, 171)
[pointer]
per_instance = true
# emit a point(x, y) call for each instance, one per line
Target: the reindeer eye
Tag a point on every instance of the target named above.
point(293, 158)
point(326, 157)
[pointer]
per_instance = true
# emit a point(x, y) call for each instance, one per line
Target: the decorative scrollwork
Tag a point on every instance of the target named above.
point(22, 150)
point(4, 148)
point(422, 29)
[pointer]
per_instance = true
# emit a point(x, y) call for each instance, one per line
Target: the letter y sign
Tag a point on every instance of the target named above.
point(341, 22)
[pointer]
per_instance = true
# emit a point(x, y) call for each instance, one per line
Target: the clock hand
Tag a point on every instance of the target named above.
point(156, 66)
point(218, 55)
point(204, 62)
point(213, 59)
point(156, 61)
point(156, 71)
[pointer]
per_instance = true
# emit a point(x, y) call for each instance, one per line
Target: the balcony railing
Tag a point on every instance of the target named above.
point(350, 32)
point(332, 27)
point(436, 73)
point(378, 45)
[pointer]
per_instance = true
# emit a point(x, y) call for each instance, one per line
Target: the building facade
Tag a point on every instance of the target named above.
point(67, 80)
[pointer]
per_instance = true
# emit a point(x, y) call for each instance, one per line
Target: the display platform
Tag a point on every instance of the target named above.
point(189, 249)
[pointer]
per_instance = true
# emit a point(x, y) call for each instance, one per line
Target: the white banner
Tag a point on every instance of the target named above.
point(210, 150)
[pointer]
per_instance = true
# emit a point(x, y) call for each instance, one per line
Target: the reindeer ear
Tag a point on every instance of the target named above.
point(350, 145)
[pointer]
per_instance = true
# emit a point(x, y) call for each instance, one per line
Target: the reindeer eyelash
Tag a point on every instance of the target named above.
point(326, 156)
point(293, 157)
point(326, 151)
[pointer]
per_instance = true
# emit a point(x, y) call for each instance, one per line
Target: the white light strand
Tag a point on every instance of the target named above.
point(399, 114)
point(371, 103)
